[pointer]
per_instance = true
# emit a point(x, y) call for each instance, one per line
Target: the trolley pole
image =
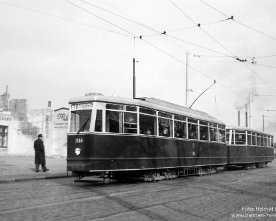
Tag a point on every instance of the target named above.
point(134, 79)
point(187, 82)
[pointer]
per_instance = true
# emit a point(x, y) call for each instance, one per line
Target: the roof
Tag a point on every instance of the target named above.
point(62, 108)
point(246, 129)
point(153, 103)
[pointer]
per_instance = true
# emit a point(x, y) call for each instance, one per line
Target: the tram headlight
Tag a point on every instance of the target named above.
point(78, 151)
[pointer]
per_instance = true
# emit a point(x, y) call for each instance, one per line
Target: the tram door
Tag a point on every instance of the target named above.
point(3, 136)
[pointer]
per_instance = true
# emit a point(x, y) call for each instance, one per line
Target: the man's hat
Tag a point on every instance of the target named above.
point(40, 135)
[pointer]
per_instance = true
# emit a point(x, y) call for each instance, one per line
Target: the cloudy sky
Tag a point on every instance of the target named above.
point(58, 49)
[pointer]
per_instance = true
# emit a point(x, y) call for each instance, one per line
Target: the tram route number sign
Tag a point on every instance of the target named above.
point(83, 106)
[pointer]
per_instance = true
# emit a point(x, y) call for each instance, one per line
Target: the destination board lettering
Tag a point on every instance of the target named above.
point(81, 106)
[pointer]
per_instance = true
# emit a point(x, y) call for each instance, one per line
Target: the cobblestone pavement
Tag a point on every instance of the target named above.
point(222, 196)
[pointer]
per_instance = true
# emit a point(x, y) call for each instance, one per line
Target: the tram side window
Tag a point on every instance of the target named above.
point(249, 137)
point(240, 138)
point(221, 133)
point(258, 140)
point(203, 130)
point(254, 139)
point(228, 137)
point(130, 123)
point(213, 132)
point(164, 127)
point(180, 129)
point(114, 121)
point(265, 141)
point(99, 123)
point(80, 120)
point(147, 124)
point(192, 129)
point(268, 141)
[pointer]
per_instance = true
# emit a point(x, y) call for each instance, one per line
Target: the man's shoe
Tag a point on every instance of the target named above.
point(37, 171)
point(45, 170)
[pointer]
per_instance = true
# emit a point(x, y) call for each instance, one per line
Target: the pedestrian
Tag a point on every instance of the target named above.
point(40, 154)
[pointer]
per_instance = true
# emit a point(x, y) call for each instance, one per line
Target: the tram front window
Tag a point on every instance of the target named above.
point(80, 121)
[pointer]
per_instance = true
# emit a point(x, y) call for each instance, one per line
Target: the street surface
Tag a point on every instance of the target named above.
point(223, 196)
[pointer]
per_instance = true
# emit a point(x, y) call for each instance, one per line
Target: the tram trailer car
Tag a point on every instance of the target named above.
point(248, 148)
point(119, 137)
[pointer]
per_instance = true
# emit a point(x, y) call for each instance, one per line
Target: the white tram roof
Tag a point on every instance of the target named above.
point(152, 103)
point(231, 127)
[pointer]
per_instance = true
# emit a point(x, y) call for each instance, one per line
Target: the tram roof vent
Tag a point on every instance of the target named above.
point(94, 94)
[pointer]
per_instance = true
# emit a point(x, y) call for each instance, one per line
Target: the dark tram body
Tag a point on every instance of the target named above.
point(248, 148)
point(142, 136)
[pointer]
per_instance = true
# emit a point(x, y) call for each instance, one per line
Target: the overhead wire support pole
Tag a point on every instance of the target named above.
point(133, 70)
point(134, 79)
point(187, 82)
point(203, 93)
point(249, 111)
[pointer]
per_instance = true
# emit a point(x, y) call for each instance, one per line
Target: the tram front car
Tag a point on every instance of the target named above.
point(121, 135)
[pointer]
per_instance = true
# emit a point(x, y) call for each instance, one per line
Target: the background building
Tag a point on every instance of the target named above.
point(20, 126)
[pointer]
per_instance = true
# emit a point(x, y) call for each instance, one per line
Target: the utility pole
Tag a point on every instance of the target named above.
point(249, 111)
point(187, 82)
point(134, 79)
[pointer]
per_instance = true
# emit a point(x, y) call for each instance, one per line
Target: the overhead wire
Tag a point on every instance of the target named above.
point(116, 14)
point(148, 27)
point(199, 26)
point(195, 69)
point(141, 37)
point(64, 18)
point(235, 57)
point(232, 18)
point(101, 18)
point(131, 34)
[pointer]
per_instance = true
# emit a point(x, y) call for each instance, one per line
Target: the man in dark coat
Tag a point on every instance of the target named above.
point(40, 154)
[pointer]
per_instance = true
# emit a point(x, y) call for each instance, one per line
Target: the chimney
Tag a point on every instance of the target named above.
point(49, 104)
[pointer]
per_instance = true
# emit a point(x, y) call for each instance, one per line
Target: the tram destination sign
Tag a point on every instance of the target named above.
point(81, 106)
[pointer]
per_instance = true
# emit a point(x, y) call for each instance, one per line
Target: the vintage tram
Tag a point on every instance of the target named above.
point(122, 137)
point(248, 148)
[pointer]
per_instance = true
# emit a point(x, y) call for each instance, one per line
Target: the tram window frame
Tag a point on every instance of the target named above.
point(203, 130)
point(130, 120)
point(268, 141)
point(264, 140)
point(79, 119)
point(213, 132)
point(144, 119)
point(254, 139)
point(240, 137)
point(113, 106)
point(180, 126)
point(228, 136)
point(111, 128)
point(259, 139)
point(192, 129)
point(165, 123)
point(221, 133)
point(99, 121)
point(249, 138)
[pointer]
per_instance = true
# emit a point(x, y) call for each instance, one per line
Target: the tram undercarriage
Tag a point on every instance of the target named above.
point(153, 175)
